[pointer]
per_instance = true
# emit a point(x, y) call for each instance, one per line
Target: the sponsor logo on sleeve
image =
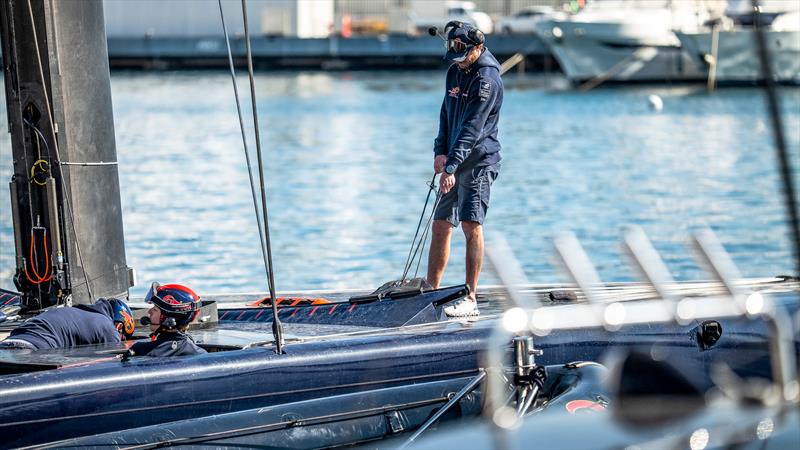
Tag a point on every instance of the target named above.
point(485, 90)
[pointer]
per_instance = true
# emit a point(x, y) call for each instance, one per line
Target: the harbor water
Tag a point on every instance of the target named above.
point(348, 157)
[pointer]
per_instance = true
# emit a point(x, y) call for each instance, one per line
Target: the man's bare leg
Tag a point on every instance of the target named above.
point(473, 232)
point(440, 251)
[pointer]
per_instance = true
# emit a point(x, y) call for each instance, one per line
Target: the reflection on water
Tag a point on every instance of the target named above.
point(348, 156)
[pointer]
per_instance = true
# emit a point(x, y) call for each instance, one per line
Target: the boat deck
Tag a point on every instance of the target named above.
point(493, 299)
point(251, 330)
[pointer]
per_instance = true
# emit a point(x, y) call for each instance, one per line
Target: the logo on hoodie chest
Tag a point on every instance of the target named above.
point(454, 92)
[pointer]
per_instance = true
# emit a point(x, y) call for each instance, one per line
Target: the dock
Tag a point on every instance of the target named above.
point(332, 53)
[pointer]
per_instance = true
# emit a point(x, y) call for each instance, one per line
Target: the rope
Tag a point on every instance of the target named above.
point(424, 238)
point(417, 245)
point(244, 139)
point(277, 330)
point(46, 276)
point(419, 224)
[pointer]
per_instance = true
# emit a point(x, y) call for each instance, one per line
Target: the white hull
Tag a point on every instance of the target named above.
point(737, 60)
point(618, 52)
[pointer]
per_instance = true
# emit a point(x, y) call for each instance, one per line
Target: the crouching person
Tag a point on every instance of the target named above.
point(174, 307)
point(106, 321)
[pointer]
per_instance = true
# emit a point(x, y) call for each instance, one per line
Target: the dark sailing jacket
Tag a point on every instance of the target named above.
point(68, 327)
point(166, 344)
point(469, 115)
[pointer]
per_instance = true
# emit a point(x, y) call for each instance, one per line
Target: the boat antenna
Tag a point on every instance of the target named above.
point(277, 329)
point(244, 139)
point(777, 131)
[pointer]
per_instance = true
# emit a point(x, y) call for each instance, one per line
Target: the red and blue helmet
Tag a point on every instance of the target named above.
point(123, 317)
point(174, 300)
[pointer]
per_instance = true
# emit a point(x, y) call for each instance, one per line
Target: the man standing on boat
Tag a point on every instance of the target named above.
point(467, 155)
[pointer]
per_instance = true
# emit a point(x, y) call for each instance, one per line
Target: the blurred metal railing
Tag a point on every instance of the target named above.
point(526, 318)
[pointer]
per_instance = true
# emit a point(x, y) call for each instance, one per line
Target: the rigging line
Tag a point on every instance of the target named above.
point(777, 131)
point(64, 163)
point(427, 227)
point(427, 230)
point(408, 264)
point(58, 157)
point(277, 330)
point(244, 140)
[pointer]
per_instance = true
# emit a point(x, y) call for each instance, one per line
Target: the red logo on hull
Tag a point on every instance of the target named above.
point(577, 405)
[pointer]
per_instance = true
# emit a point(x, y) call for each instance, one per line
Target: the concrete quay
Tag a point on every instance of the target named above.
point(332, 53)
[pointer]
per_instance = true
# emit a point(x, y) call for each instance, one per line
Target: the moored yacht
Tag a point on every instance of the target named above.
point(727, 47)
point(615, 40)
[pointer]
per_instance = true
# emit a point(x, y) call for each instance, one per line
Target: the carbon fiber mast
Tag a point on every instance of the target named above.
point(65, 197)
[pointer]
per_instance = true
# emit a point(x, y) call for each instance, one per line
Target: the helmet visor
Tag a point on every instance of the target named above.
point(152, 293)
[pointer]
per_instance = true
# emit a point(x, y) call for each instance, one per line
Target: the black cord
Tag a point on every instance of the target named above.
point(244, 139)
point(277, 329)
point(424, 238)
point(410, 259)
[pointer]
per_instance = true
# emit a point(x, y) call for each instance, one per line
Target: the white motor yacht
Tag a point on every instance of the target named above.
point(726, 48)
point(618, 40)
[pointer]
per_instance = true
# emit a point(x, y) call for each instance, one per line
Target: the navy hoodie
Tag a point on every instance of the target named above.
point(68, 327)
point(469, 115)
point(166, 344)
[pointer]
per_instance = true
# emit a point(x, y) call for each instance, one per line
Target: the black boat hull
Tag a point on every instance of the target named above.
point(111, 396)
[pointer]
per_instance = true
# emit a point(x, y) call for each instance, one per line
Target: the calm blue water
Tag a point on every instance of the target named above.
point(349, 155)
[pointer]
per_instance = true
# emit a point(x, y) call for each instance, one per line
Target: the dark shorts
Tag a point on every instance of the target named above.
point(469, 198)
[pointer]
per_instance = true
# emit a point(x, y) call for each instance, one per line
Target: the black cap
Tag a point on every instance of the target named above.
point(461, 31)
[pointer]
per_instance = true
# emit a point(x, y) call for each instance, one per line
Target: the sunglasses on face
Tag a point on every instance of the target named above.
point(457, 46)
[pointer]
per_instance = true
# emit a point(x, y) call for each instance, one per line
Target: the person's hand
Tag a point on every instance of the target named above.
point(439, 162)
point(446, 182)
